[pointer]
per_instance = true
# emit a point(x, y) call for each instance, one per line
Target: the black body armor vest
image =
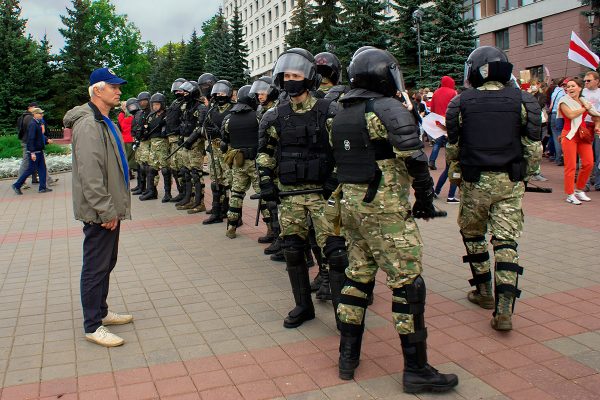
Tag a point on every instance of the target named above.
point(156, 123)
point(137, 125)
point(213, 128)
point(490, 138)
point(189, 119)
point(243, 132)
point(304, 154)
point(355, 153)
point(173, 118)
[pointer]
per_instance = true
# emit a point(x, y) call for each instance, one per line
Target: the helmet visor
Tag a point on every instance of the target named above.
point(397, 76)
point(260, 87)
point(295, 64)
point(221, 87)
point(186, 87)
point(466, 82)
point(176, 86)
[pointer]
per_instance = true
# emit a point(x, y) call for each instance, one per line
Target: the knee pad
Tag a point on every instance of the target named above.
point(238, 195)
point(333, 244)
point(414, 294)
point(214, 187)
point(184, 172)
point(165, 171)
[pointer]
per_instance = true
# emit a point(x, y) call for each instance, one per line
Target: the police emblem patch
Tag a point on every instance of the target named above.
point(347, 145)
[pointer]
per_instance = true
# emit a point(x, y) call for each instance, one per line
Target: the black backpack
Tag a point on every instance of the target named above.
point(21, 128)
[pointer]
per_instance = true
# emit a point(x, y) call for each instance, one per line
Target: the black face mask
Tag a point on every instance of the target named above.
point(294, 88)
point(221, 100)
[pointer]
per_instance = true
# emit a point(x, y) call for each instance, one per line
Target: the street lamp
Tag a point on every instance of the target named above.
point(418, 18)
point(591, 17)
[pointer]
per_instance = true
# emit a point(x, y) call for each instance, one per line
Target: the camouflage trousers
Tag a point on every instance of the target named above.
point(242, 177)
point(294, 212)
point(159, 150)
point(219, 170)
point(142, 154)
point(177, 160)
point(493, 204)
point(195, 156)
point(389, 241)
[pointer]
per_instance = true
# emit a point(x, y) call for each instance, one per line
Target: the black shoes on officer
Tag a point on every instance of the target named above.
point(350, 344)
point(300, 282)
point(418, 375)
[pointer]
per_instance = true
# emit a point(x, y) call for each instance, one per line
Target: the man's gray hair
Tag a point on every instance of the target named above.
point(99, 85)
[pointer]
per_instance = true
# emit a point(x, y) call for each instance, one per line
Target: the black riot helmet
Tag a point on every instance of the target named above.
point(264, 85)
point(143, 96)
point(487, 63)
point(191, 88)
point(299, 61)
point(222, 91)
point(376, 70)
point(177, 84)
point(329, 66)
point(206, 82)
point(244, 97)
point(361, 49)
point(158, 98)
point(132, 105)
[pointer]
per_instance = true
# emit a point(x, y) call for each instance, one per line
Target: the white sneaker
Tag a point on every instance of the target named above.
point(539, 178)
point(582, 196)
point(112, 318)
point(573, 200)
point(103, 337)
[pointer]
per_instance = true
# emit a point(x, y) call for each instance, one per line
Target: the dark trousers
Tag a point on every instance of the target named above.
point(100, 249)
point(38, 165)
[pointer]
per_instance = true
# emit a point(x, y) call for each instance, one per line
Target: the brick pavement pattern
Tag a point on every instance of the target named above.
point(208, 311)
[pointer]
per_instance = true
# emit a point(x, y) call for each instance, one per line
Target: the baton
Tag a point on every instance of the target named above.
point(257, 211)
point(536, 189)
point(174, 151)
point(257, 196)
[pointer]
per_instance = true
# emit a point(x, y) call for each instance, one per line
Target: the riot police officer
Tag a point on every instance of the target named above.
point(142, 144)
point(493, 146)
point(295, 163)
point(172, 124)
point(221, 93)
point(330, 69)
point(159, 144)
point(378, 154)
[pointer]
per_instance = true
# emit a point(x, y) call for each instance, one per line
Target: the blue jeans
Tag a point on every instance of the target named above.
point(556, 124)
point(38, 165)
point(439, 143)
point(442, 180)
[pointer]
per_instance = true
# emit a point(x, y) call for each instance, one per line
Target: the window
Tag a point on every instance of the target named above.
point(264, 59)
point(502, 41)
point(277, 32)
point(537, 73)
point(270, 56)
point(276, 12)
point(270, 36)
point(245, 14)
point(269, 16)
point(535, 33)
point(264, 39)
point(263, 20)
point(472, 9)
point(284, 27)
point(277, 51)
point(252, 63)
point(283, 7)
point(506, 5)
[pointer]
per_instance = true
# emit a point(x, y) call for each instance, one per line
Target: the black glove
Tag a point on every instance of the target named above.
point(330, 186)
point(224, 147)
point(188, 145)
point(268, 190)
point(423, 207)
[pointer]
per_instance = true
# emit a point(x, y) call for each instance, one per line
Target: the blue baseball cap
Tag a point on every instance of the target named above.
point(105, 75)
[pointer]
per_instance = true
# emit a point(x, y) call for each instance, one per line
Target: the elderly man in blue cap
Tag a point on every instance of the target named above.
point(101, 200)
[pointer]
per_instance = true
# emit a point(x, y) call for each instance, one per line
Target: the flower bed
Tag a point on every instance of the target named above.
point(9, 167)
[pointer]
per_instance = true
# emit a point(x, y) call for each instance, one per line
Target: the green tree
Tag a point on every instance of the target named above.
point(164, 70)
point(448, 39)
point(325, 14)
point(595, 10)
point(21, 69)
point(239, 50)
point(218, 49)
point(404, 44)
point(362, 23)
point(192, 61)
point(302, 31)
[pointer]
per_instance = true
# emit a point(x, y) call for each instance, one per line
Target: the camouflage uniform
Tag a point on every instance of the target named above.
point(492, 204)
point(218, 169)
point(192, 122)
point(159, 146)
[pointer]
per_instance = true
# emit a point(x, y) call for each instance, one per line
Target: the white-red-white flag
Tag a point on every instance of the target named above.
point(581, 54)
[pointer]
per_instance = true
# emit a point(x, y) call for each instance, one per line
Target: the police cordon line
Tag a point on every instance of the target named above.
point(333, 166)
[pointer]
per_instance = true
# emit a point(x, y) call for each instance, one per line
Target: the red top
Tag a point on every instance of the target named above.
point(443, 95)
point(125, 124)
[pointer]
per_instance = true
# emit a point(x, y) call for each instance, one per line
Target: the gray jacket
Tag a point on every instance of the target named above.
point(99, 190)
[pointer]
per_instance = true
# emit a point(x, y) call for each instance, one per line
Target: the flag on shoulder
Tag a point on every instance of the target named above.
point(581, 54)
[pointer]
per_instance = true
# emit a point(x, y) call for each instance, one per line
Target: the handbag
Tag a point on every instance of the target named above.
point(585, 135)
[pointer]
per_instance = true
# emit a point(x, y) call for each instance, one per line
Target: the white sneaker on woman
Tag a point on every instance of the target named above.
point(580, 194)
point(573, 200)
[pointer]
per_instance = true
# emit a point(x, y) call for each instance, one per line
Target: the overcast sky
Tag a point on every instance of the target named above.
point(159, 21)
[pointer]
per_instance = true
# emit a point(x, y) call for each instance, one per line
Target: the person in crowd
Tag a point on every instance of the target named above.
point(125, 119)
point(591, 92)
point(576, 140)
point(101, 200)
point(556, 123)
point(35, 143)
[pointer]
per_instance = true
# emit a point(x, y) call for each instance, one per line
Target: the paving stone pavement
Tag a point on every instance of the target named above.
point(208, 311)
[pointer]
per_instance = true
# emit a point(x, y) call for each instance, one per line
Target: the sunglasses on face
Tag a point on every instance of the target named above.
point(587, 80)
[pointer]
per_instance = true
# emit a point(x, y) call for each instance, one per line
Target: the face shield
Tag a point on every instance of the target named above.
point(294, 63)
point(176, 86)
point(260, 87)
point(397, 76)
point(221, 87)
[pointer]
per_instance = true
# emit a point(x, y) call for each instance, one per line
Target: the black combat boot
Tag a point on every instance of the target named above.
point(187, 197)
point(279, 257)
point(141, 187)
point(324, 292)
point(300, 282)
point(166, 173)
point(316, 283)
point(139, 179)
point(180, 187)
point(151, 192)
point(418, 375)
point(350, 344)
point(198, 205)
point(270, 236)
point(274, 247)
point(216, 215)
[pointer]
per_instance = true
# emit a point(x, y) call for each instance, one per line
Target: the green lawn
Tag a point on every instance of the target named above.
point(10, 146)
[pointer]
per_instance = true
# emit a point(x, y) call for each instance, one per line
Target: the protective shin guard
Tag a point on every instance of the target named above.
point(151, 192)
point(179, 185)
point(506, 296)
point(167, 177)
point(198, 188)
point(187, 185)
point(216, 212)
point(337, 258)
point(141, 188)
point(480, 269)
point(300, 282)
point(418, 375)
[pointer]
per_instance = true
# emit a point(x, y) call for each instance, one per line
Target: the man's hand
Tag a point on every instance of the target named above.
point(111, 225)
point(423, 208)
point(33, 157)
point(187, 145)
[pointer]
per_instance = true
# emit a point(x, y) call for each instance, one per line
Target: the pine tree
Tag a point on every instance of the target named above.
point(325, 14)
point(218, 49)
point(362, 23)
point(446, 30)
point(192, 64)
point(164, 70)
point(239, 50)
point(595, 10)
point(302, 31)
point(77, 58)
point(21, 67)
point(404, 46)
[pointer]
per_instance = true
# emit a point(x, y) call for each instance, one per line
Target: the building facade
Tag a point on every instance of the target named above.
point(265, 25)
point(534, 34)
